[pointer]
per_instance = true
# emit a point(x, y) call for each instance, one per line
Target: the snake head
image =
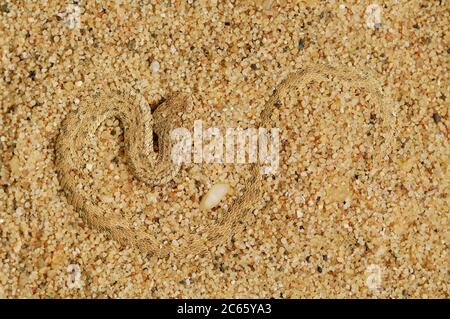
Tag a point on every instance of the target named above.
point(172, 108)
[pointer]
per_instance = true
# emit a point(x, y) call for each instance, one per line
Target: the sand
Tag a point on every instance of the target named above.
point(351, 213)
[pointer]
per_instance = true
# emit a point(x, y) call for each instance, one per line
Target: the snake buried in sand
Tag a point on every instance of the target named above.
point(156, 168)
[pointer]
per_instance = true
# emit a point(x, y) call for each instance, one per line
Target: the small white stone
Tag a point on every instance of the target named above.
point(3, 139)
point(154, 66)
point(89, 166)
point(213, 197)
point(79, 83)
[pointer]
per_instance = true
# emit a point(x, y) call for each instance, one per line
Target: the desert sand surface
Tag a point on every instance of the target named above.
point(358, 208)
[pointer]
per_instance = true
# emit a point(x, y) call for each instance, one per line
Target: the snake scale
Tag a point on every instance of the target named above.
point(156, 168)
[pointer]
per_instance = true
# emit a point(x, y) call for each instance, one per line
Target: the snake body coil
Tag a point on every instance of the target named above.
point(157, 168)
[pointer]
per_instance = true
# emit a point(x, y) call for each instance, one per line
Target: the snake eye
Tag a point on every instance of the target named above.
point(155, 142)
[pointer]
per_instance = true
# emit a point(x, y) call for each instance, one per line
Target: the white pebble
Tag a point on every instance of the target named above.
point(154, 66)
point(79, 83)
point(89, 166)
point(214, 195)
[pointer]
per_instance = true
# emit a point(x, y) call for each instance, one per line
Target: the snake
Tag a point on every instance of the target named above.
point(120, 100)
